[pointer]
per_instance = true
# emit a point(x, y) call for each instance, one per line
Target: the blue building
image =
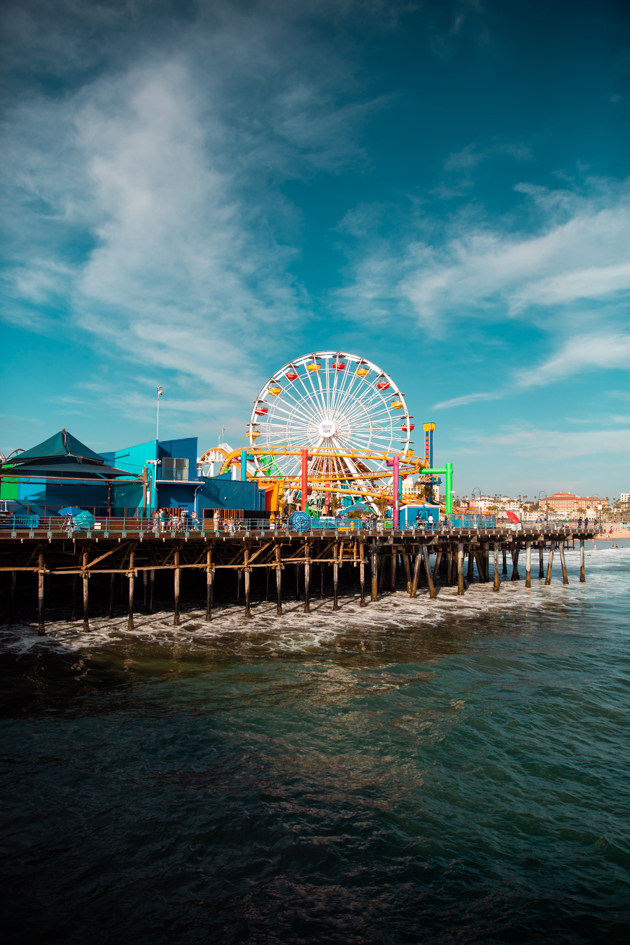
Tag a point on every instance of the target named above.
point(62, 472)
point(174, 483)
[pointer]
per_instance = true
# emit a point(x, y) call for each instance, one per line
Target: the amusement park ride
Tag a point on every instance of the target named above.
point(333, 424)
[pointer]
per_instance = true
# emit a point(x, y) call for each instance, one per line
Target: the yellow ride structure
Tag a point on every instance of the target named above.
point(328, 470)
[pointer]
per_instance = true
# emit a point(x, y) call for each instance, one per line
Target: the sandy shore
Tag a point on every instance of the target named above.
point(611, 536)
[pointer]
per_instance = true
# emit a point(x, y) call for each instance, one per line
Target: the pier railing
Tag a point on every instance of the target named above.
point(106, 527)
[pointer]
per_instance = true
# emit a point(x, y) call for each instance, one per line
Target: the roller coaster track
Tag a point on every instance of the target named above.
point(410, 464)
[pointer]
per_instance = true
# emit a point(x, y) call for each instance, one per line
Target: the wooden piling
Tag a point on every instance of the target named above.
point(438, 561)
point(131, 589)
point(496, 585)
point(381, 572)
point(247, 576)
point(416, 575)
point(278, 581)
point(210, 584)
point(267, 573)
point(86, 601)
point(528, 564)
point(427, 567)
point(362, 570)
point(392, 573)
point(460, 568)
point(41, 626)
point(112, 579)
point(515, 575)
point(541, 560)
point(335, 576)
point(152, 591)
point(374, 572)
point(307, 576)
point(407, 567)
point(486, 560)
point(582, 563)
point(505, 570)
point(176, 588)
point(73, 612)
point(479, 558)
point(549, 563)
point(145, 588)
point(13, 589)
point(471, 565)
point(563, 563)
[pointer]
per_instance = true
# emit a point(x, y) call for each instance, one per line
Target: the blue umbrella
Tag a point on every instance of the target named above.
point(71, 510)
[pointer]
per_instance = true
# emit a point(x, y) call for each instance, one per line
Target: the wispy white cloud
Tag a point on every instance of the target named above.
point(143, 202)
point(489, 274)
point(585, 353)
point(472, 155)
point(466, 399)
point(572, 248)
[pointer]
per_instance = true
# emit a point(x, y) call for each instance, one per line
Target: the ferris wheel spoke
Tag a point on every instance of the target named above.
point(372, 400)
point(341, 384)
point(291, 415)
point(300, 406)
point(317, 394)
point(354, 385)
point(309, 397)
point(342, 395)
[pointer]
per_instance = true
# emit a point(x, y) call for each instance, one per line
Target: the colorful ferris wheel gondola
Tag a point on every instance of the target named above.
point(344, 408)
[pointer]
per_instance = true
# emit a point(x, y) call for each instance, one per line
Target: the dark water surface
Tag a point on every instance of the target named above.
point(444, 772)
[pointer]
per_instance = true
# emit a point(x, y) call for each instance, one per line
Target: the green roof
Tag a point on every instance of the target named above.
point(61, 444)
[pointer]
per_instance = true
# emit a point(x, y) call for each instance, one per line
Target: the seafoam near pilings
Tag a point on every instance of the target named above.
point(234, 568)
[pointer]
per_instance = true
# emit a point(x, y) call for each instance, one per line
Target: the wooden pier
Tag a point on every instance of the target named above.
point(191, 568)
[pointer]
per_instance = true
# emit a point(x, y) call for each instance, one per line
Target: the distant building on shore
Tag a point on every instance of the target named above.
point(565, 502)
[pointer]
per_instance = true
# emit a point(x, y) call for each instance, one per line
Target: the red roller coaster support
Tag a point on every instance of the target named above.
point(395, 462)
point(305, 459)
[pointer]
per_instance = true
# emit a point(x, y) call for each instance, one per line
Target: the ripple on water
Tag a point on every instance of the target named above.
point(413, 771)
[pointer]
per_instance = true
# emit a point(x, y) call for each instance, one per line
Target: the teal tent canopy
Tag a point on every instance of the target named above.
point(63, 456)
point(59, 445)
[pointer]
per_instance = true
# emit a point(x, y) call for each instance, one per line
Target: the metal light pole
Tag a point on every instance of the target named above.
point(598, 509)
point(542, 492)
point(153, 498)
point(160, 392)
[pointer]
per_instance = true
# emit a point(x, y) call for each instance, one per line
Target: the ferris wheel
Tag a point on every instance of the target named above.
point(344, 408)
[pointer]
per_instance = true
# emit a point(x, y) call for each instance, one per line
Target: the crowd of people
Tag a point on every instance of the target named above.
point(178, 520)
point(175, 520)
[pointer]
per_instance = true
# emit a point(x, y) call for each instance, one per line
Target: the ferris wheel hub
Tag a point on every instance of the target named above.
point(327, 429)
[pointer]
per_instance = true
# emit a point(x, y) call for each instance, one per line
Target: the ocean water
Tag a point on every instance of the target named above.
point(455, 771)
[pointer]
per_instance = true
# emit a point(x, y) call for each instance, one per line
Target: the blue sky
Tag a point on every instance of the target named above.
point(195, 193)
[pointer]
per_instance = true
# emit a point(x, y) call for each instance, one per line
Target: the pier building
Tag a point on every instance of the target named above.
point(132, 482)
